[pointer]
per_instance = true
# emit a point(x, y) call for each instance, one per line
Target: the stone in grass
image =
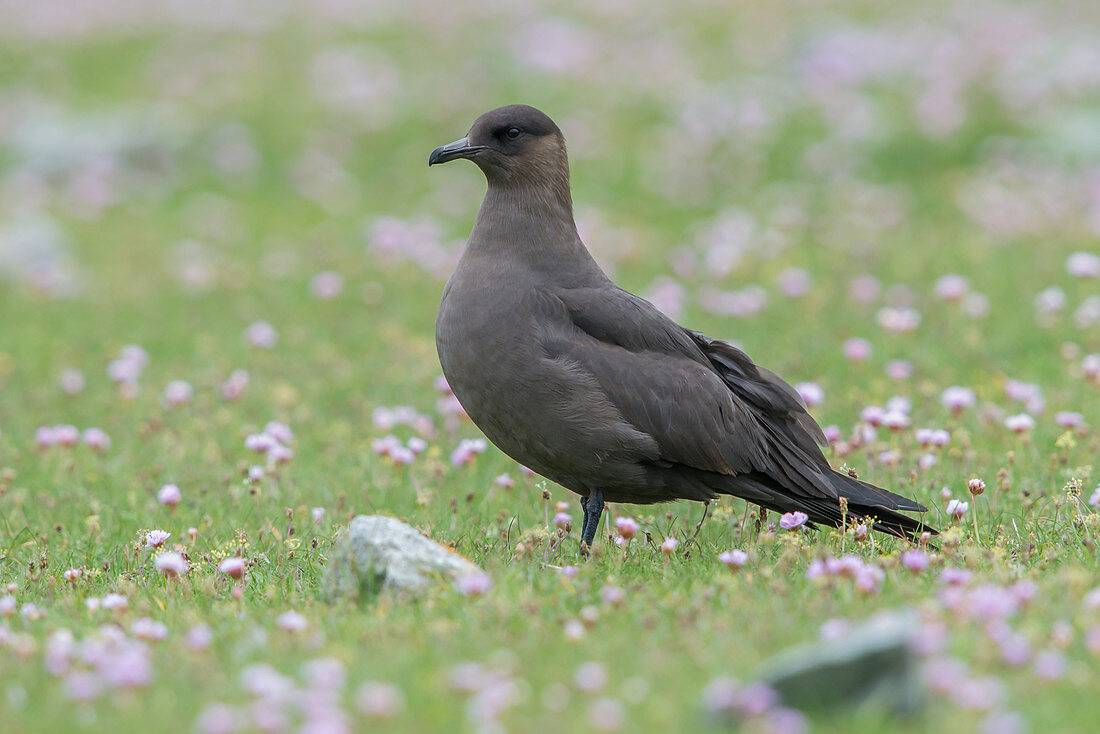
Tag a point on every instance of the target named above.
point(381, 553)
point(871, 664)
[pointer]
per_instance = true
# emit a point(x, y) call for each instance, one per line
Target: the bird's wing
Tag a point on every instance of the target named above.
point(704, 402)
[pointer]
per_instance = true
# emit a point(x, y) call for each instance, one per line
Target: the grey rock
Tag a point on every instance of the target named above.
point(871, 664)
point(384, 554)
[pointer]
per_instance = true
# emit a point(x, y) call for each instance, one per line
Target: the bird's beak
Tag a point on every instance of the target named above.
point(450, 151)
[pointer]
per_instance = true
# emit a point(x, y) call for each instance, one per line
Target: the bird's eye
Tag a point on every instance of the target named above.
point(513, 133)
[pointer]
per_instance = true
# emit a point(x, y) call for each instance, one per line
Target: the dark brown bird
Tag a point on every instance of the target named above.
point(596, 389)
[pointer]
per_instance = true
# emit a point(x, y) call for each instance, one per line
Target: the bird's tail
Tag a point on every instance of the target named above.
point(864, 500)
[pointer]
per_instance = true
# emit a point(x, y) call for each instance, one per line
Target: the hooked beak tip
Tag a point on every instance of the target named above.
point(458, 149)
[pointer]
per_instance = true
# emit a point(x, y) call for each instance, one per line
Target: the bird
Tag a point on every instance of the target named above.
point(594, 387)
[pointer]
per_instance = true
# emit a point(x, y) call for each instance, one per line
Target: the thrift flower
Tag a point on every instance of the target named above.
point(1020, 423)
point(793, 520)
point(171, 564)
point(734, 559)
point(628, 527)
point(291, 622)
point(379, 700)
point(169, 495)
point(474, 583)
point(857, 350)
point(233, 567)
point(957, 508)
point(915, 560)
point(156, 538)
point(96, 439)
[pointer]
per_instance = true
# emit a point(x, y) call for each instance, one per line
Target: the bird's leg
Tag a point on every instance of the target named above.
point(706, 509)
point(584, 511)
point(593, 508)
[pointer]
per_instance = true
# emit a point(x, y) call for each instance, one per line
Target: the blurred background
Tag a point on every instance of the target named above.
point(780, 174)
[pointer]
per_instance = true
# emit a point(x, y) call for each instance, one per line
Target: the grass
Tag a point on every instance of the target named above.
point(322, 172)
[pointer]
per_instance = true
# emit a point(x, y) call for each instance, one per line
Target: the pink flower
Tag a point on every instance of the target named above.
point(199, 637)
point(734, 559)
point(951, 288)
point(73, 574)
point(219, 718)
point(379, 700)
point(899, 320)
point(873, 414)
point(976, 486)
point(1084, 265)
point(171, 564)
point(915, 560)
point(668, 547)
point(156, 538)
point(255, 473)
point(1050, 664)
point(234, 387)
point(794, 282)
point(467, 450)
point(72, 382)
point(793, 520)
point(954, 576)
point(317, 513)
point(504, 481)
point(417, 445)
point(957, 508)
point(178, 392)
point(606, 714)
point(1068, 419)
point(233, 567)
point(590, 677)
point(291, 622)
point(899, 369)
point(45, 436)
point(976, 305)
point(262, 443)
point(627, 527)
point(280, 432)
point(66, 435)
point(956, 399)
point(96, 439)
point(811, 393)
point(895, 420)
point(83, 686)
point(115, 602)
point(474, 583)
point(1020, 423)
point(864, 288)
point(402, 455)
point(327, 284)
point(169, 495)
point(1090, 366)
point(561, 519)
point(262, 335)
point(612, 594)
point(148, 629)
point(857, 350)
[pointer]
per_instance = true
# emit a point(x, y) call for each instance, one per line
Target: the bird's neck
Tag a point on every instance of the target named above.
point(535, 219)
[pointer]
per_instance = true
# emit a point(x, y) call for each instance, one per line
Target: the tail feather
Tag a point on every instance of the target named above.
point(864, 501)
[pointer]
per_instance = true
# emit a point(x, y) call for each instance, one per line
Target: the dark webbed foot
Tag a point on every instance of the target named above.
point(593, 509)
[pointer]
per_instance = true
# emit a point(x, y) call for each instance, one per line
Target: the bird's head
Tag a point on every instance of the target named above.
point(513, 144)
